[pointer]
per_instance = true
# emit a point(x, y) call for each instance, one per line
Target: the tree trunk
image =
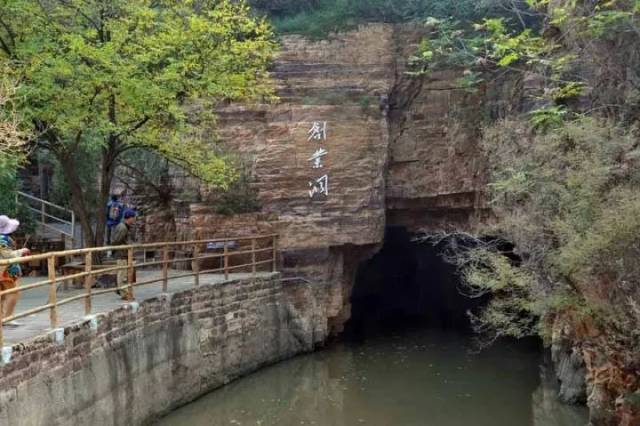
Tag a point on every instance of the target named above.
point(93, 237)
point(78, 201)
point(107, 171)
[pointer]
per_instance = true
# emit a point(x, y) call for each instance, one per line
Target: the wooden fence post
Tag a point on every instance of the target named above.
point(196, 264)
point(165, 268)
point(88, 282)
point(226, 260)
point(53, 310)
point(130, 271)
point(253, 257)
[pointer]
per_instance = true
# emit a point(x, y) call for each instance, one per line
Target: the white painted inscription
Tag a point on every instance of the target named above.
point(318, 131)
point(319, 186)
point(316, 158)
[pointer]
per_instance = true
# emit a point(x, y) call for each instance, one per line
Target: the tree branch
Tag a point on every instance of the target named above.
point(8, 45)
point(135, 127)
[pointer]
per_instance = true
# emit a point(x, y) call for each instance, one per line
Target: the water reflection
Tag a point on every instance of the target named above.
point(421, 378)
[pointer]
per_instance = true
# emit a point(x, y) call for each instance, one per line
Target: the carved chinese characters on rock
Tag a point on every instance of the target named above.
point(319, 186)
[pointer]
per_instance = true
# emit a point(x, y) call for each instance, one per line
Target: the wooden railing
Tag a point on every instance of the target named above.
point(244, 254)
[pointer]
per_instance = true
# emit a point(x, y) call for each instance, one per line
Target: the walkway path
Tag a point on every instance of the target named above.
point(38, 324)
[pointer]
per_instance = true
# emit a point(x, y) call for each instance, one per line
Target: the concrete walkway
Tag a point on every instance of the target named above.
point(38, 324)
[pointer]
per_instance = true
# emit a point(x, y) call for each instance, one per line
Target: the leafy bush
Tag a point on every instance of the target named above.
point(321, 17)
point(568, 199)
point(8, 206)
point(240, 198)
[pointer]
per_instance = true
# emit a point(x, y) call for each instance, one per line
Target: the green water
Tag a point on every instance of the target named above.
point(421, 378)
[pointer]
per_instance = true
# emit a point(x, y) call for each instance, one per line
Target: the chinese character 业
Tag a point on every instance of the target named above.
point(317, 158)
point(320, 186)
point(318, 131)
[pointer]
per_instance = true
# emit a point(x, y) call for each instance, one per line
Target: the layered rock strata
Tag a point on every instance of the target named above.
point(399, 151)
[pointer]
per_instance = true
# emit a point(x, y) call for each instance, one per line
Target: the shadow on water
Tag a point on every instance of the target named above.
point(406, 284)
point(406, 359)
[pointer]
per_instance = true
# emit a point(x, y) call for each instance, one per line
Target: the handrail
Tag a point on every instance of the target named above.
point(78, 252)
point(41, 210)
point(50, 216)
point(261, 255)
point(40, 200)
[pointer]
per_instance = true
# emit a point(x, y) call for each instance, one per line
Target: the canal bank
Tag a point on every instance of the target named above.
point(138, 362)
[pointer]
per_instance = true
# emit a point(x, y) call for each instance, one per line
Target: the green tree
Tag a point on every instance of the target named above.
point(564, 183)
point(13, 140)
point(101, 77)
point(584, 49)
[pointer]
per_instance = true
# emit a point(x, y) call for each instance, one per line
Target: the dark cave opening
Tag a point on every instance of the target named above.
point(408, 284)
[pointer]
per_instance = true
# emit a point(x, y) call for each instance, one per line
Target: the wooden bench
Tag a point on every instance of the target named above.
point(106, 280)
point(72, 268)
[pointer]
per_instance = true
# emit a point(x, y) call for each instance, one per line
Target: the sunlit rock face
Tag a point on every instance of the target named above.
point(393, 150)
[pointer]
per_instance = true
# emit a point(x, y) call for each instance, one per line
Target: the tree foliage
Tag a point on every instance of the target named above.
point(564, 179)
point(14, 143)
point(578, 39)
point(109, 76)
point(568, 199)
point(13, 140)
point(319, 17)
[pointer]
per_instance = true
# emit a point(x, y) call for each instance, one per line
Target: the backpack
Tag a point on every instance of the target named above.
point(12, 270)
point(114, 212)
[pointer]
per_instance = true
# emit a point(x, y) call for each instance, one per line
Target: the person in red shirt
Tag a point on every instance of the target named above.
point(9, 274)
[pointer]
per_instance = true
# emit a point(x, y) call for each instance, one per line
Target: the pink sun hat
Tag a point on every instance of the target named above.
point(8, 225)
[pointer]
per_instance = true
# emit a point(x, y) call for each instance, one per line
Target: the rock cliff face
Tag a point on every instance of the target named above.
point(395, 150)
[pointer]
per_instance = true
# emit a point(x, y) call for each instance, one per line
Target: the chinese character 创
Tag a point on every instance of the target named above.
point(318, 131)
point(319, 186)
point(317, 158)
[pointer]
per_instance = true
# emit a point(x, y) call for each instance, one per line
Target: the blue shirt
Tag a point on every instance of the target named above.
point(115, 210)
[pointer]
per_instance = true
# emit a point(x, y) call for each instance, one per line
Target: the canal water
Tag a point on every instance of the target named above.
point(409, 378)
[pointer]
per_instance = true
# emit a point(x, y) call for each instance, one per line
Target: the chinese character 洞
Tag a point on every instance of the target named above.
point(320, 186)
point(318, 131)
point(317, 158)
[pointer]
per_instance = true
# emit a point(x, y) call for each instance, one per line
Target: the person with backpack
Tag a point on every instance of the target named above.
point(122, 236)
point(115, 211)
point(9, 274)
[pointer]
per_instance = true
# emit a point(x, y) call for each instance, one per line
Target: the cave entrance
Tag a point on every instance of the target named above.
point(408, 283)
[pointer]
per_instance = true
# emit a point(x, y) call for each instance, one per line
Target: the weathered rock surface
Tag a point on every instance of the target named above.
point(570, 370)
point(400, 151)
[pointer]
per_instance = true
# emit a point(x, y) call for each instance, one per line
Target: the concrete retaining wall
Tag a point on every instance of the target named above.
point(134, 364)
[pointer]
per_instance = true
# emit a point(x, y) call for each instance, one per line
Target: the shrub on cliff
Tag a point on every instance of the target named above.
point(569, 201)
point(565, 183)
point(320, 17)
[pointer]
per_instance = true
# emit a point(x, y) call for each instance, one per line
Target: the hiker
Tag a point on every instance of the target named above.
point(9, 274)
point(123, 235)
point(115, 211)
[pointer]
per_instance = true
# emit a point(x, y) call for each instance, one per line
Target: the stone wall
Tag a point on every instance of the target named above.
point(136, 363)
